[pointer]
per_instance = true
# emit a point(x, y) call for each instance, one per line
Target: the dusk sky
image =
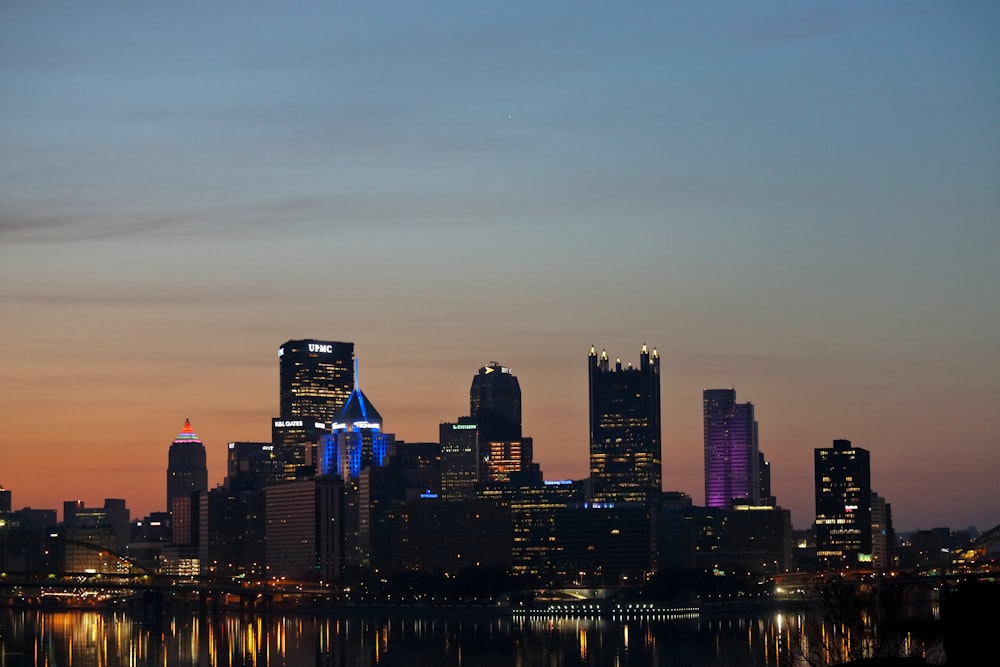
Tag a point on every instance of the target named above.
point(800, 200)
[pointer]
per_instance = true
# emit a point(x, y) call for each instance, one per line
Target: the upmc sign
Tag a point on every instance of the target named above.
point(320, 347)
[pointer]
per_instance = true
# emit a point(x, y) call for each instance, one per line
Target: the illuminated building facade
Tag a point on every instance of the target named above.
point(625, 463)
point(459, 458)
point(883, 534)
point(356, 440)
point(732, 459)
point(355, 444)
point(294, 442)
point(187, 471)
point(316, 379)
point(843, 506)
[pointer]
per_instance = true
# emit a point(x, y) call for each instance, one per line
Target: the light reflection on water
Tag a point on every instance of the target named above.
point(107, 639)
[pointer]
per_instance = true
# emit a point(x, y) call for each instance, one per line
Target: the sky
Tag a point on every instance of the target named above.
point(798, 200)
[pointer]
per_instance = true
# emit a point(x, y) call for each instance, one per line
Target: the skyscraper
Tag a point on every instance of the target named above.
point(186, 468)
point(625, 464)
point(731, 456)
point(316, 378)
point(495, 407)
point(459, 458)
point(495, 403)
point(843, 506)
point(356, 440)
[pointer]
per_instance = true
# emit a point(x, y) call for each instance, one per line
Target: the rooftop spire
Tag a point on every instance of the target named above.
point(187, 434)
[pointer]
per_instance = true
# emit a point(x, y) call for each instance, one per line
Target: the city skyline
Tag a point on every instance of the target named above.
point(798, 202)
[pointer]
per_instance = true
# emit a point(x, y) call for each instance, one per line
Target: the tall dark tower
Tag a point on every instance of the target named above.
point(732, 460)
point(843, 506)
point(316, 379)
point(495, 403)
point(186, 468)
point(495, 407)
point(625, 464)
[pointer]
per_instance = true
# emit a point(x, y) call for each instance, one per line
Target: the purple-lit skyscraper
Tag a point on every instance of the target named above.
point(731, 455)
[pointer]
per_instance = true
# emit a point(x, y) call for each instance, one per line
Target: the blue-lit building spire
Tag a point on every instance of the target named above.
point(356, 440)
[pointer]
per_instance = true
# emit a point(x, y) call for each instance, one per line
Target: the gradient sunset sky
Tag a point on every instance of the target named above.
point(796, 199)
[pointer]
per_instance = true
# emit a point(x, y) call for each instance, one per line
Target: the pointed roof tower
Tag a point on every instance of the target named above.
point(358, 412)
point(187, 434)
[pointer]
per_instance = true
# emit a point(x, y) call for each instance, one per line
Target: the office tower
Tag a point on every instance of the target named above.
point(495, 408)
point(843, 506)
point(459, 458)
point(106, 527)
point(294, 443)
point(316, 378)
point(186, 468)
point(5, 499)
point(764, 475)
point(625, 429)
point(355, 444)
point(356, 440)
point(731, 455)
point(304, 534)
point(495, 403)
point(883, 535)
point(252, 466)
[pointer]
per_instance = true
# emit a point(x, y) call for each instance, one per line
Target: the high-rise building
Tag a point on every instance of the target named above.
point(731, 456)
point(495, 403)
point(186, 467)
point(459, 458)
point(883, 534)
point(843, 506)
point(625, 463)
point(304, 539)
point(764, 475)
point(356, 440)
point(294, 443)
point(5, 499)
point(316, 378)
point(495, 408)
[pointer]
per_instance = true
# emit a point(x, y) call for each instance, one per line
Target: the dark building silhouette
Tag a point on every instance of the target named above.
point(435, 535)
point(533, 505)
point(412, 471)
point(625, 457)
point(304, 533)
point(495, 403)
point(764, 475)
point(316, 378)
point(604, 544)
point(495, 408)
point(731, 453)
point(5, 499)
point(186, 468)
point(843, 506)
